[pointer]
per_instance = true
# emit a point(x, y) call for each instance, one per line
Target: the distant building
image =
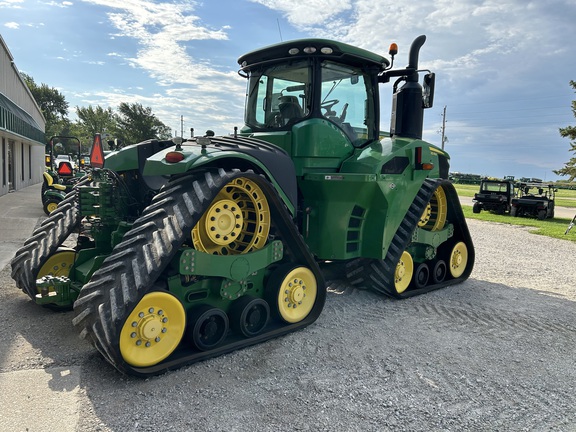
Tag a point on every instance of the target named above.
point(21, 129)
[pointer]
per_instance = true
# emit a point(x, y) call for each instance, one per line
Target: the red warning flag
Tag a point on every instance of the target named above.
point(97, 153)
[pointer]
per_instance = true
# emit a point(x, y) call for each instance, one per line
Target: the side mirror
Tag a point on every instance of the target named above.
point(428, 90)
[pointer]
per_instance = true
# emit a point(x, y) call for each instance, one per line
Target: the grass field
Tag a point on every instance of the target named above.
point(550, 227)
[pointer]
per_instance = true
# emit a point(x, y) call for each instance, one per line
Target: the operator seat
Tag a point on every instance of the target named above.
point(290, 109)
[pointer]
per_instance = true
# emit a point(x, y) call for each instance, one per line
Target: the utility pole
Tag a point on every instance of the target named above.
point(444, 139)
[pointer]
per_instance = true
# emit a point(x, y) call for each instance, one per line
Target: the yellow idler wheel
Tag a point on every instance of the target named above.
point(58, 264)
point(434, 216)
point(237, 221)
point(297, 294)
point(403, 272)
point(153, 329)
point(458, 259)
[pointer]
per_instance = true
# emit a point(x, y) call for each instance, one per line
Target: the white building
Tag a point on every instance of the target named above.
point(21, 129)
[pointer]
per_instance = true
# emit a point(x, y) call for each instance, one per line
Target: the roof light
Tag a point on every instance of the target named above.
point(310, 50)
point(326, 50)
point(293, 51)
point(393, 50)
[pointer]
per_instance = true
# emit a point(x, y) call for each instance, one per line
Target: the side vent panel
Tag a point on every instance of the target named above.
point(354, 229)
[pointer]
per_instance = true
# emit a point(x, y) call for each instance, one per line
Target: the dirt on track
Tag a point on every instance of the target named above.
point(496, 352)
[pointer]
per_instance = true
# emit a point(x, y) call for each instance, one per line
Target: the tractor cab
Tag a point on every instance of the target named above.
point(326, 93)
point(315, 84)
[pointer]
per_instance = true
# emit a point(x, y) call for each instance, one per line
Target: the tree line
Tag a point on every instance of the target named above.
point(131, 123)
point(570, 132)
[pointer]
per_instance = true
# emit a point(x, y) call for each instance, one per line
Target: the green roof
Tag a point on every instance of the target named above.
point(340, 51)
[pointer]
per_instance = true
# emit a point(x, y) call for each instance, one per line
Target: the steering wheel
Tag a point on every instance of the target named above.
point(327, 105)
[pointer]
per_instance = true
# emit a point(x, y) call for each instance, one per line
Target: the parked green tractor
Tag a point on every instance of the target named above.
point(62, 172)
point(171, 252)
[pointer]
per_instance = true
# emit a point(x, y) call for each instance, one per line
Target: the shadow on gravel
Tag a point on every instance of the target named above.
point(475, 356)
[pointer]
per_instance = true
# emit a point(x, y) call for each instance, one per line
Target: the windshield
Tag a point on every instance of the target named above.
point(495, 187)
point(279, 96)
point(347, 100)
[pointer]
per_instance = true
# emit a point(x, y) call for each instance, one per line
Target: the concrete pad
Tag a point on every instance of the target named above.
point(40, 400)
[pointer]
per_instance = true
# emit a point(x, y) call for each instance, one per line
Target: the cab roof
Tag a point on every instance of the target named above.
point(304, 48)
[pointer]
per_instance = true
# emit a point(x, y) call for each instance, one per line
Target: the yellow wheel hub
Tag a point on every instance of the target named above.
point(297, 295)
point(51, 207)
point(223, 222)
point(237, 221)
point(458, 259)
point(434, 216)
point(403, 272)
point(153, 329)
point(58, 264)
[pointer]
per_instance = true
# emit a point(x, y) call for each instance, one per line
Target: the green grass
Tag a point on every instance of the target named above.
point(549, 227)
point(564, 197)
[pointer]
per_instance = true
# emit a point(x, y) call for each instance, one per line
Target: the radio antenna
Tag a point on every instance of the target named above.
point(279, 30)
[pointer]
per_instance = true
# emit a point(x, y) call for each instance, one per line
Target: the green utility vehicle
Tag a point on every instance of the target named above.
point(171, 252)
point(495, 196)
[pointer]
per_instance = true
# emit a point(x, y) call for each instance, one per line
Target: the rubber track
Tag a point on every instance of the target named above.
point(378, 275)
point(44, 241)
point(137, 262)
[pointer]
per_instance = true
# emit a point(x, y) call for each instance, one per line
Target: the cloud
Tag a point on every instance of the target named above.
point(165, 33)
point(162, 31)
point(13, 4)
point(307, 13)
point(12, 25)
point(63, 4)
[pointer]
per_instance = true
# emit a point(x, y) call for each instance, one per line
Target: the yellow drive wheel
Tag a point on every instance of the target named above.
point(297, 294)
point(58, 264)
point(51, 206)
point(403, 272)
point(237, 221)
point(153, 329)
point(434, 216)
point(458, 259)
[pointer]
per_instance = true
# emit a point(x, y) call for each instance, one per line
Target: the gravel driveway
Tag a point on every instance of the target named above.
point(494, 353)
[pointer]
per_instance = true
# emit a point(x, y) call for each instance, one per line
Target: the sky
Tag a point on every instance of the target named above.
point(503, 67)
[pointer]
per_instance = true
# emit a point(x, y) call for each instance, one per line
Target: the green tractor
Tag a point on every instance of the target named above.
point(62, 172)
point(171, 252)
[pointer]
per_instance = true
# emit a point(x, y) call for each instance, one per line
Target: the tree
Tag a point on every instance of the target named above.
point(136, 123)
point(93, 120)
point(53, 105)
point(569, 132)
